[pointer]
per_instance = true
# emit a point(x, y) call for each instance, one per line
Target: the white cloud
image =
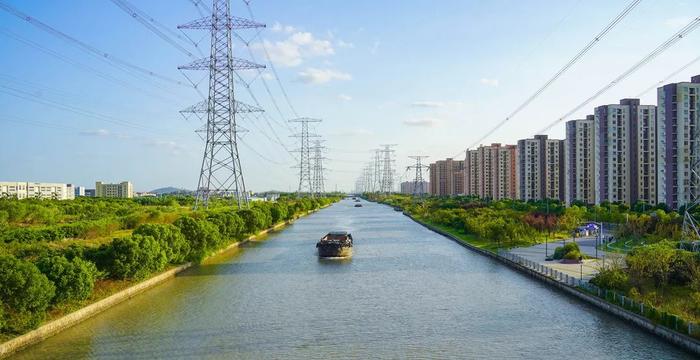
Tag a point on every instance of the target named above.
point(344, 97)
point(489, 82)
point(173, 147)
point(98, 132)
point(678, 21)
point(423, 122)
point(277, 27)
point(344, 44)
point(295, 49)
point(267, 76)
point(428, 104)
point(322, 76)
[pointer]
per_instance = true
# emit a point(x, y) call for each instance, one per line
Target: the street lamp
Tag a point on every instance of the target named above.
point(580, 260)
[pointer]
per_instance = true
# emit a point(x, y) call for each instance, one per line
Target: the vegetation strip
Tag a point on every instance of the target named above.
point(674, 337)
point(76, 317)
point(54, 276)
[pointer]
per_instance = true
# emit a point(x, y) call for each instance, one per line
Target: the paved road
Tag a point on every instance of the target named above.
point(590, 266)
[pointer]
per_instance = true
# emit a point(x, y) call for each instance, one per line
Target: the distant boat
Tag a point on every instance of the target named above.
point(336, 244)
point(396, 208)
point(358, 205)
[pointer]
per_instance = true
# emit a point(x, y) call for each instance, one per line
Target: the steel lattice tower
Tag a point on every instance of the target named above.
point(387, 184)
point(691, 226)
point(221, 173)
point(305, 179)
point(377, 183)
point(418, 182)
point(317, 180)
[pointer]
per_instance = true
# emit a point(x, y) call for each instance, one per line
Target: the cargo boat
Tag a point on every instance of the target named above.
point(336, 244)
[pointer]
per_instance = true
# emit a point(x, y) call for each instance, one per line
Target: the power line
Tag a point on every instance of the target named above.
point(656, 52)
point(84, 46)
point(671, 75)
point(561, 71)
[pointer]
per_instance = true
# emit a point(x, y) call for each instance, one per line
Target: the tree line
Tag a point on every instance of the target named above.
point(37, 276)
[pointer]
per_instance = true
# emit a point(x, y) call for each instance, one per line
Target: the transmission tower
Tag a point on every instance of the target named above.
point(305, 178)
point(317, 180)
point(418, 182)
point(387, 184)
point(221, 173)
point(377, 183)
point(691, 226)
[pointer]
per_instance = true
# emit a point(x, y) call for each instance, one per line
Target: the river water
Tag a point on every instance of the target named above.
point(406, 293)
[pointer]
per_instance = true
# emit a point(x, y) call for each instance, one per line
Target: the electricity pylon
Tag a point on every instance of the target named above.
point(317, 180)
point(418, 182)
point(691, 227)
point(305, 179)
point(387, 184)
point(221, 173)
point(377, 183)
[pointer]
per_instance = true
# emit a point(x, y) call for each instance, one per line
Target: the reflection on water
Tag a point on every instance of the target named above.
point(405, 293)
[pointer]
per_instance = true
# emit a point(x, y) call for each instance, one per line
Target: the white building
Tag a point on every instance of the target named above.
point(28, 190)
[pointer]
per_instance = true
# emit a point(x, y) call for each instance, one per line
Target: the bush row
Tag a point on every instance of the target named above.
point(35, 278)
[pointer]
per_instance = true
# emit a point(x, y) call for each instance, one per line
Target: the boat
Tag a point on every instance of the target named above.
point(336, 244)
point(398, 208)
point(358, 205)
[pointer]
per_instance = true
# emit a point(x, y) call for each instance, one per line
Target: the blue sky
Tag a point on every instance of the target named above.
point(432, 77)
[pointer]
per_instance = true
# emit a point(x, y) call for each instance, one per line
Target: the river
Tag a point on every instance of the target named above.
point(406, 293)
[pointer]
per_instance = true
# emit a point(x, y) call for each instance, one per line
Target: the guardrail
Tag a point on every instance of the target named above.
point(650, 312)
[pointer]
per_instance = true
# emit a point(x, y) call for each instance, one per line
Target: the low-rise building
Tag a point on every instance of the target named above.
point(28, 190)
point(409, 187)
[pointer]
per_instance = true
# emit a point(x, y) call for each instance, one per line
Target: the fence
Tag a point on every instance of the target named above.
point(670, 321)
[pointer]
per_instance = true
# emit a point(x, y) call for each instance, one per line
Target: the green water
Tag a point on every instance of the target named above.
point(406, 293)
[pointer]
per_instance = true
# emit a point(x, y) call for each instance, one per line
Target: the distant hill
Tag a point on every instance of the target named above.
point(170, 190)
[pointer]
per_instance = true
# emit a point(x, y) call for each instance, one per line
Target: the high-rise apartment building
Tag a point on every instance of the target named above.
point(540, 168)
point(579, 161)
point(447, 177)
point(625, 152)
point(28, 190)
point(408, 187)
point(678, 141)
point(122, 190)
point(490, 172)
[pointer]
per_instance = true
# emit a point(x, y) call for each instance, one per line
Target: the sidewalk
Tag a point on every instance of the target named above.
point(590, 266)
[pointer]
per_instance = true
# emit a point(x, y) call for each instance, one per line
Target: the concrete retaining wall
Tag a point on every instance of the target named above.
point(667, 334)
point(54, 327)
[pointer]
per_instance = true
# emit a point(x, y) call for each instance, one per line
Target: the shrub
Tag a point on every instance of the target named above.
point(24, 292)
point(135, 257)
point(611, 278)
point(170, 239)
point(561, 252)
point(202, 235)
point(230, 225)
point(74, 279)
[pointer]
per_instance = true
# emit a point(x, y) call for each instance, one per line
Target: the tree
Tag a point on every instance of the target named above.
point(202, 235)
point(74, 279)
point(650, 263)
point(170, 239)
point(135, 257)
point(24, 292)
point(230, 225)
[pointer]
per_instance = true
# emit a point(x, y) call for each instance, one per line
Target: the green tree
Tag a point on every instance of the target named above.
point(202, 235)
point(74, 279)
point(24, 292)
point(170, 238)
point(135, 257)
point(230, 225)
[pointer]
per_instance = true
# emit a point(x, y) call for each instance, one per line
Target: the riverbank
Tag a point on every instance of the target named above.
point(55, 326)
point(568, 284)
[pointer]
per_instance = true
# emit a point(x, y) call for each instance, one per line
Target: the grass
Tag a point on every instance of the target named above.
point(484, 244)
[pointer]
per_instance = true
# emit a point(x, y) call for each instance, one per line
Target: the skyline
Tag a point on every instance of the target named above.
point(354, 76)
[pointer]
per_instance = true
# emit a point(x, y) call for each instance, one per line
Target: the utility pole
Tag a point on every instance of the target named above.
point(387, 184)
point(317, 180)
point(221, 173)
point(305, 179)
point(418, 182)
